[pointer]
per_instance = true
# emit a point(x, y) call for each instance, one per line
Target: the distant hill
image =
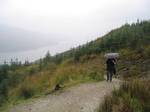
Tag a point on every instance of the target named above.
point(132, 36)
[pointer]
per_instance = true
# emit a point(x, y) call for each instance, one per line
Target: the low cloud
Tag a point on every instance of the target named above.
point(15, 39)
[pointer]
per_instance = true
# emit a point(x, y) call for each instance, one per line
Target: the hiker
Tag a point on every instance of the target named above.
point(111, 69)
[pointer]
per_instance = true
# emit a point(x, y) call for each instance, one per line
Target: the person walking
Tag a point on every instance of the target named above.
point(111, 69)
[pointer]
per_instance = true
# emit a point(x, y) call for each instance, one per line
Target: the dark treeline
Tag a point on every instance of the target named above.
point(10, 77)
point(133, 36)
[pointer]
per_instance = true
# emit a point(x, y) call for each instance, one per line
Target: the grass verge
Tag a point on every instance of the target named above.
point(132, 96)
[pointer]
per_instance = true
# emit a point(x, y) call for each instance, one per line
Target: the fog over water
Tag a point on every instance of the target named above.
point(29, 28)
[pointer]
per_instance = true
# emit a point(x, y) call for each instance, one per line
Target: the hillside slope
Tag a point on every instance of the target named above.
point(129, 36)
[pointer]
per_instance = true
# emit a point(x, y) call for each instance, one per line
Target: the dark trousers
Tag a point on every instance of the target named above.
point(109, 75)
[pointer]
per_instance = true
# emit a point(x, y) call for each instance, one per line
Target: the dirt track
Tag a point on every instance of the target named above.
point(80, 98)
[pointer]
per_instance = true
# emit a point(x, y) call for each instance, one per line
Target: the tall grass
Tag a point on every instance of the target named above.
point(70, 72)
point(132, 96)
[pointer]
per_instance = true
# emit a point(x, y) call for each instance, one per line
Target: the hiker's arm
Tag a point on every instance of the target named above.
point(114, 61)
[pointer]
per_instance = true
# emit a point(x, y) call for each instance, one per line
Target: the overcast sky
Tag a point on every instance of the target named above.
point(27, 25)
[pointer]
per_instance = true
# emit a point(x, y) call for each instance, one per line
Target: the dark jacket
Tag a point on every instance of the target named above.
point(111, 65)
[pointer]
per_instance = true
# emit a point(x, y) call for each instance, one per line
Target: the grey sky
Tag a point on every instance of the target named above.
point(62, 24)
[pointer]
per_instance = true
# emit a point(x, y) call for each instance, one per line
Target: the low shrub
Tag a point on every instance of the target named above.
point(131, 97)
point(25, 91)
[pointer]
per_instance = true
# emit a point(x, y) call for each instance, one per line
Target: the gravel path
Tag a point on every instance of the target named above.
point(81, 98)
